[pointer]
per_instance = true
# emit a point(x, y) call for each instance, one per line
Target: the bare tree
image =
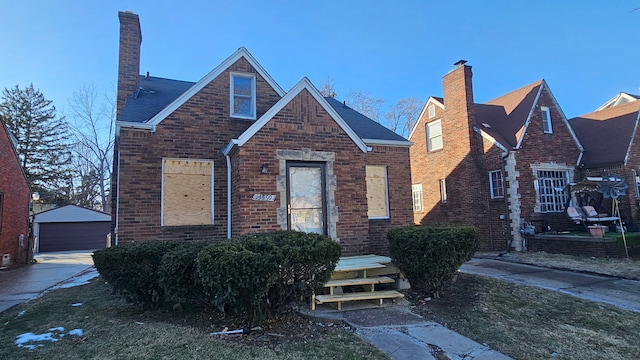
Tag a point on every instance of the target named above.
point(328, 88)
point(403, 115)
point(365, 104)
point(93, 123)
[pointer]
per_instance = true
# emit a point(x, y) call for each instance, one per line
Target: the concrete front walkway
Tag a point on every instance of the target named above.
point(605, 289)
point(21, 284)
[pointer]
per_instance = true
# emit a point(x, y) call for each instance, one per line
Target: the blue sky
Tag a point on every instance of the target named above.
point(586, 50)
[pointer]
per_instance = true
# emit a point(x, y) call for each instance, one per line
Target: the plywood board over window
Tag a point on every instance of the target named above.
point(377, 195)
point(187, 193)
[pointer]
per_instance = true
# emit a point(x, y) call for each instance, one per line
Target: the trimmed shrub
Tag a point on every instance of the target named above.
point(429, 255)
point(132, 270)
point(305, 263)
point(178, 274)
point(236, 279)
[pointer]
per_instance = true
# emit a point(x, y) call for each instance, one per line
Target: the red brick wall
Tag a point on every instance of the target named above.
point(303, 123)
point(15, 205)
point(538, 148)
point(129, 57)
point(198, 129)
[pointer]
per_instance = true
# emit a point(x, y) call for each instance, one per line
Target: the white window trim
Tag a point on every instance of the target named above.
point(233, 75)
point(386, 189)
point(418, 205)
point(443, 191)
point(492, 189)
point(548, 167)
point(545, 110)
point(433, 123)
point(432, 111)
point(162, 190)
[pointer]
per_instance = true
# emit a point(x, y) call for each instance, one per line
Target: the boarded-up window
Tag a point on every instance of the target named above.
point(187, 194)
point(377, 196)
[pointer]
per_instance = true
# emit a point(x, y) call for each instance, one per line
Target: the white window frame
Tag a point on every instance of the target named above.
point(547, 181)
point(416, 192)
point(232, 95)
point(547, 126)
point(162, 187)
point(432, 111)
point(496, 187)
point(443, 191)
point(386, 194)
point(431, 136)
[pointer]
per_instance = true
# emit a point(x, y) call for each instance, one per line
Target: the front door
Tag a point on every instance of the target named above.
point(306, 201)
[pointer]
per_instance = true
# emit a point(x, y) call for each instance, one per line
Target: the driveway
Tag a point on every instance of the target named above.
point(21, 284)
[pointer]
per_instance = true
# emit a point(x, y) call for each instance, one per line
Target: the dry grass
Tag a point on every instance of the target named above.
point(629, 269)
point(530, 323)
point(114, 329)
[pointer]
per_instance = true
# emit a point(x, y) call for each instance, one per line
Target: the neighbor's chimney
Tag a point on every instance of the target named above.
point(128, 58)
point(458, 99)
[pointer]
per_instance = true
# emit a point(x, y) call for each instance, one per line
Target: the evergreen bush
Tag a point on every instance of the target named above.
point(429, 255)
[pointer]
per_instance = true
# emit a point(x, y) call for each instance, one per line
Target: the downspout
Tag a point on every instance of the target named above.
point(506, 203)
point(115, 228)
point(228, 196)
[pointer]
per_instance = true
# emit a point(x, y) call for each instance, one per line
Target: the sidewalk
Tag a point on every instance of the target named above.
point(24, 283)
point(403, 335)
point(600, 288)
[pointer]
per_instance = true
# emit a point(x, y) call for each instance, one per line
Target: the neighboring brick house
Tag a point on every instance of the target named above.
point(495, 165)
point(14, 202)
point(234, 153)
point(612, 147)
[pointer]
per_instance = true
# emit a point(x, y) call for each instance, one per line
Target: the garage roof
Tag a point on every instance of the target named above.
point(71, 213)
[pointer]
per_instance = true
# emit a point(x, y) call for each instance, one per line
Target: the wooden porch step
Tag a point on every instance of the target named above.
point(359, 281)
point(368, 295)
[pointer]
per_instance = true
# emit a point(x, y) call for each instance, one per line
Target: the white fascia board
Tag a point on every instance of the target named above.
point(616, 99)
point(135, 125)
point(633, 135)
point(526, 123)
point(490, 138)
point(431, 100)
point(301, 85)
point(380, 142)
point(241, 52)
point(227, 149)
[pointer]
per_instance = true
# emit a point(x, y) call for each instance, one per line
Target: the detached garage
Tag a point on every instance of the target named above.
point(71, 227)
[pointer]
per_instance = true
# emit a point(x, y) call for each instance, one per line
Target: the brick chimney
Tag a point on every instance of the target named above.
point(458, 99)
point(128, 58)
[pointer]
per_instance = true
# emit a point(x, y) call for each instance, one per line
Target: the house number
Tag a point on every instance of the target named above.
point(260, 197)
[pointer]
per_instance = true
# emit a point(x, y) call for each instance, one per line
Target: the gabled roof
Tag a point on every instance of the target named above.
point(607, 135)
point(620, 99)
point(304, 84)
point(166, 110)
point(370, 131)
point(153, 95)
point(71, 213)
point(13, 143)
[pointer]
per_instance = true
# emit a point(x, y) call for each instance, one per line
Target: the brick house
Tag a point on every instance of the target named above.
point(495, 165)
point(612, 147)
point(14, 202)
point(234, 153)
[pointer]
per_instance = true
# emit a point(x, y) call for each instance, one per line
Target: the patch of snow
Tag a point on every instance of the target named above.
point(76, 332)
point(21, 313)
point(26, 340)
point(78, 280)
point(76, 304)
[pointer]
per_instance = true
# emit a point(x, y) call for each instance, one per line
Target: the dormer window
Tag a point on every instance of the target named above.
point(546, 120)
point(243, 96)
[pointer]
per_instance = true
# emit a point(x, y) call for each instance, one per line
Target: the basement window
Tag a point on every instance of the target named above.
point(243, 96)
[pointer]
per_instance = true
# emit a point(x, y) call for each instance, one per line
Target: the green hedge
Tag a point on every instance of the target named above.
point(132, 270)
point(429, 255)
point(253, 275)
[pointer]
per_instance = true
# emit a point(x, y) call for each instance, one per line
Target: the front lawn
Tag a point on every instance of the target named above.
point(87, 322)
